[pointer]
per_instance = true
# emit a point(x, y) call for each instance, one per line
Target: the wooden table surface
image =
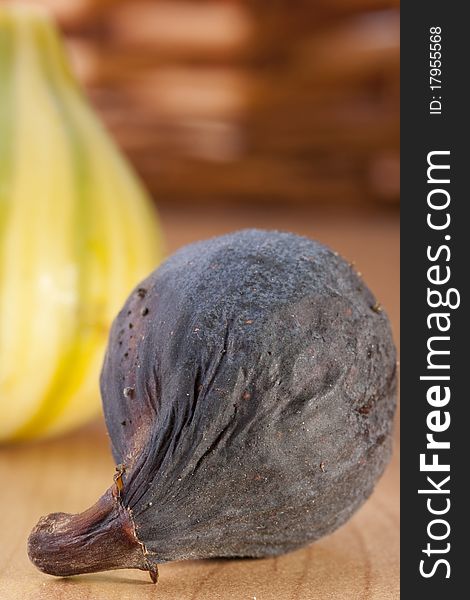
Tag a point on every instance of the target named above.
point(359, 561)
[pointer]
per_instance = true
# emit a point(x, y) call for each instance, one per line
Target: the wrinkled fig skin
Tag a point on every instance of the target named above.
point(249, 392)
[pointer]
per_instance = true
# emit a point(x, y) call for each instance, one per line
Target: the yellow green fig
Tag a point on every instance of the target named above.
point(77, 231)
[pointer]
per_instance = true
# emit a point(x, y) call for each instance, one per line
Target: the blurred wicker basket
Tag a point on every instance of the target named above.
point(243, 100)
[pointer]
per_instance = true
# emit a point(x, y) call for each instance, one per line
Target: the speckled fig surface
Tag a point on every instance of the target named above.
point(249, 393)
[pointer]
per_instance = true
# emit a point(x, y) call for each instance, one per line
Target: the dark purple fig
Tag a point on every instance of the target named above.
point(249, 393)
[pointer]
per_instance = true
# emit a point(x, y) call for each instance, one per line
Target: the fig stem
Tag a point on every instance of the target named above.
point(153, 572)
point(99, 539)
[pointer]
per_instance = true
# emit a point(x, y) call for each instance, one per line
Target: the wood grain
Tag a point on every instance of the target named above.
point(359, 561)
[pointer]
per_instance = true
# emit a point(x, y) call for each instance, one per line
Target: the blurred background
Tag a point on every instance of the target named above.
point(239, 113)
point(245, 101)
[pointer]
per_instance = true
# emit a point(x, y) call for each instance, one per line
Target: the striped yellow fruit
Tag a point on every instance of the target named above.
point(77, 232)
